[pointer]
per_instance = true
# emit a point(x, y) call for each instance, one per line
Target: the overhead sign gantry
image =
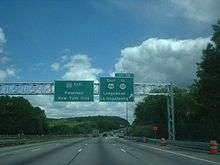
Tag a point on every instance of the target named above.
point(121, 86)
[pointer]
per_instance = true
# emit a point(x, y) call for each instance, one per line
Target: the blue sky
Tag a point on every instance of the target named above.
point(54, 39)
point(38, 31)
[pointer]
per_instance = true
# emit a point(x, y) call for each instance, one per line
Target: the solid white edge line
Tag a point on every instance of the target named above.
point(183, 155)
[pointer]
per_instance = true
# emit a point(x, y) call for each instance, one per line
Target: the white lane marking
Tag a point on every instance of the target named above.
point(183, 155)
point(86, 144)
point(123, 150)
point(80, 150)
point(6, 154)
point(35, 149)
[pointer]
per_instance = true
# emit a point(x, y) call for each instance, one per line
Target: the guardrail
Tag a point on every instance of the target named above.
point(195, 146)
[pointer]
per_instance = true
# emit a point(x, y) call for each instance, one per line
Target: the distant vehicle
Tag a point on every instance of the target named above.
point(95, 133)
point(104, 135)
point(121, 136)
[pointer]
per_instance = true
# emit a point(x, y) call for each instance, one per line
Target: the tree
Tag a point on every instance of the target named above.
point(17, 115)
point(197, 109)
point(152, 111)
point(208, 88)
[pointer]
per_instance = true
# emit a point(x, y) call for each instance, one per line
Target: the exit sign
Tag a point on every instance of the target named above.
point(116, 89)
point(74, 91)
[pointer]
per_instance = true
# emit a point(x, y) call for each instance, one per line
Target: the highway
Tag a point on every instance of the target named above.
point(101, 151)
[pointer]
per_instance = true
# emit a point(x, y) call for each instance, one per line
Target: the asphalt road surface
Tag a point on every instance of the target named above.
point(101, 151)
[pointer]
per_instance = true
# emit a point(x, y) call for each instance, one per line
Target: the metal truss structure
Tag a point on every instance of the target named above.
point(140, 90)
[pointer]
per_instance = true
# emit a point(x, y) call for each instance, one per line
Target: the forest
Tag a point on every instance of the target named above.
point(197, 107)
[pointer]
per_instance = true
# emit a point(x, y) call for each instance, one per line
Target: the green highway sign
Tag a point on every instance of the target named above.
point(116, 89)
point(131, 75)
point(74, 91)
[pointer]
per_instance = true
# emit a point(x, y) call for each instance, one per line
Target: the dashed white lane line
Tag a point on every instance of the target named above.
point(6, 154)
point(123, 150)
point(80, 150)
point(35, 149)
point(183, 155)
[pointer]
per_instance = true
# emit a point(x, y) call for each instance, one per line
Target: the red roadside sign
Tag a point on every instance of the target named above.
point(155, 128)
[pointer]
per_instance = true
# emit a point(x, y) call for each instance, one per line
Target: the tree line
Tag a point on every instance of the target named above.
point(18, 116)
point(197, 108)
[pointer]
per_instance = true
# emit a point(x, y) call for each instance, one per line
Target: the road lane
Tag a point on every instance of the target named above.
point(169, 152)
point(23, 147)
point(104, 151)
point(115, 152)
point(29, 154)
point(98, 152)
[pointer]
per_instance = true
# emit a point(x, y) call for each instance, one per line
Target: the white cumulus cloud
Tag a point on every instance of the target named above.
point(2, 41)
point(77, 67)
point(3, 59)
point(3, 75)
point(2, 38)
point(7, 73)
point(200, 10)
point(55, 66)
point(163, 60)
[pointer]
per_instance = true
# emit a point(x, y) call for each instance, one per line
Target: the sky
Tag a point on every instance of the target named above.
point(157, 40)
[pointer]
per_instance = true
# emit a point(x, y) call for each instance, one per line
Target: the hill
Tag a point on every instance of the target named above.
point(85, 125)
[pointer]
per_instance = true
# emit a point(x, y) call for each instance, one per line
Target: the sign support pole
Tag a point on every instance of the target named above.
point(126, 109)
point(170, 112)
